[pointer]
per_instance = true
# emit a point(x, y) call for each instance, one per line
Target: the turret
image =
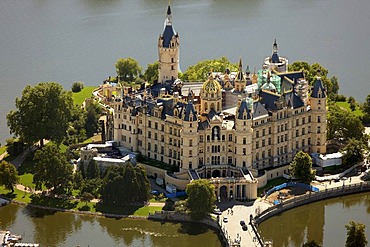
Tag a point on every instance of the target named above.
point(244, 132)
point(189, 147)
point(211, 96)
point(168, 51)
point(318, 116)
point(240, 79)
point(276, 62)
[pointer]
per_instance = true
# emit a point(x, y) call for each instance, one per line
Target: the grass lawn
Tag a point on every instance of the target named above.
point(26, 180)
point(86, 92)
point(270, 184)
point(345, 105)
point(18, 195)
point(2, 149)
point(25, 197)
point(62, 147)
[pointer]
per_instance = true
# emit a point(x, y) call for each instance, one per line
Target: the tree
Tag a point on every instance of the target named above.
point(342, 124)
point(52, 169)
point(366, 105)
point(200, 70)
point(151, 73)
point(43, 112)
point(86, 197)
point(352, 103)
point(93, 170)
point(125, 184)
point(128, 69)
point(201, 198)
point(301, 167)
point(77, 86)
point(355, 235)
point(92, 119)
point(312, 243)
point(8, 175)
point(354, 151)
point(310, 73)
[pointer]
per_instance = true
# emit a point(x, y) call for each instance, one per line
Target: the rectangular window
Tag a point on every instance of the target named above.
point(190, 143)
point(257, 144)
point(269, 130)
point(230, 137)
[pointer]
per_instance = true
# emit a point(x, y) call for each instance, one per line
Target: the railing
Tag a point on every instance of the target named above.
point(311, 197)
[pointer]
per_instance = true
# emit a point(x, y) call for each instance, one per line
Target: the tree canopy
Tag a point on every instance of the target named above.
point(43, 112)
point(301, 167)
point(52, 169)
point(354, 151)
point(8, 175)
point(125, 184)
point(310, 73)
point(355, 235)
point(201, 198)
point(200, 70)
point(128, 69)
point(151, 73)
point(343, 124)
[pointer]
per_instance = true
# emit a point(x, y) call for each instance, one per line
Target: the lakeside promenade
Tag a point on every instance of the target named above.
point(262, 209)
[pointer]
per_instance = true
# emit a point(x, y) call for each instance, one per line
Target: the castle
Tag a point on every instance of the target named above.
point(236, 129)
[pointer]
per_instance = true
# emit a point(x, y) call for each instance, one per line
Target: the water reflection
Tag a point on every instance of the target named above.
point(8, 216)
point(52, 228)
point(320, 221)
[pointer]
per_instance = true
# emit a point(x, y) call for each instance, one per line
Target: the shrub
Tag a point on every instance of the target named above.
point(77, 86)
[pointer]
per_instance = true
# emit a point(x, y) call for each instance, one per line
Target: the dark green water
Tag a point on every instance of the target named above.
point(66, 229)
point(322, 221)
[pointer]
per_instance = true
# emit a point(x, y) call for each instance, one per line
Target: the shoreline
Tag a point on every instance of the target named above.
point(212, 224)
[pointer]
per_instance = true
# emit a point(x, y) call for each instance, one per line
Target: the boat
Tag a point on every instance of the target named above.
point(12, 240)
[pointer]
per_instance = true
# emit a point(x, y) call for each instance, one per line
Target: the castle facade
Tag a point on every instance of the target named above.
point(236, 129)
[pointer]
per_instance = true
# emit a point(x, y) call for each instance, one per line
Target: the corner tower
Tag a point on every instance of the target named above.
point(168, 51)
point(318, 116)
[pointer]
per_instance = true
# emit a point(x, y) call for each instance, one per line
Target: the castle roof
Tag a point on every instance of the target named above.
point(211, 85)
point(317, 88)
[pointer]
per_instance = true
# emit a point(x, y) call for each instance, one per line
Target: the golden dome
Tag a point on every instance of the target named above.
point(211, 85)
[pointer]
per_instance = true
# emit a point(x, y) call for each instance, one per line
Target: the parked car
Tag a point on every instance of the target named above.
point(155, 192)
point(225, 220)
point(217, 211)
point(242, 223)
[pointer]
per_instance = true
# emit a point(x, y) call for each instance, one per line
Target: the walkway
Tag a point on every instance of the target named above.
point(235, 212)
point(242, 211)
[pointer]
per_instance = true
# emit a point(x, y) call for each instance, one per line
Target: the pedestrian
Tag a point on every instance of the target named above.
point(350, 179)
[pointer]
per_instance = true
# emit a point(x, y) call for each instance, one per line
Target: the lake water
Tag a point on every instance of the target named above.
point(322, 221)
point(80, 40)
point(69, 230)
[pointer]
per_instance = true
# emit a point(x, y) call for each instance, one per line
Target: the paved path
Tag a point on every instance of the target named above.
point(235, 212)
point(242, 211)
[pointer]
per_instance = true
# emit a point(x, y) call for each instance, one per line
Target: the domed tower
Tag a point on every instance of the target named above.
point(168, 51)
point(276, 62)
point(189, 147)
point(244, 132)
point(318, 117)
point(211, 95)
point(240, 82)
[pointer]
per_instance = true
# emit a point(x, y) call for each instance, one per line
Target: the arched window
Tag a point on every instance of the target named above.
point(216, 133)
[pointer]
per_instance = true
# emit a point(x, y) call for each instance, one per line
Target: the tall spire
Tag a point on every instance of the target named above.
point(274, 47)
point(275, 57)
point(168, 21)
